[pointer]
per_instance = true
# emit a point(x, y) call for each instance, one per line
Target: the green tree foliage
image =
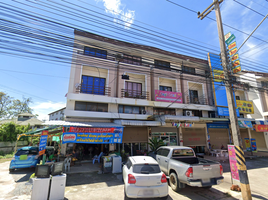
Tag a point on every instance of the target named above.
point(10, 107)
point(9, 131)
point(155, 143)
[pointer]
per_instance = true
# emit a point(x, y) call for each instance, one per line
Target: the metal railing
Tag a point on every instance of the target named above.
point(134, 94)
point(91, 89)
point(197, 100)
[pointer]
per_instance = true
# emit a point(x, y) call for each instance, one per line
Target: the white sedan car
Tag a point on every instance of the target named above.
point(143, 178)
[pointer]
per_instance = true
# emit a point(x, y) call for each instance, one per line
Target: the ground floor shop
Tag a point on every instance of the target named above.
point(219, 135)
point(169, 135)
point(259, 137)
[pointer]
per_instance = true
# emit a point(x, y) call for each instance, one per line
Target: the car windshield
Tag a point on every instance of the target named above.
point(146, 169)
point(182, 152)
point(22, 152)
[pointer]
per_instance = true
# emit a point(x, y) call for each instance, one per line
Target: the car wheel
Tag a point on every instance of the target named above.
point(174, 182)
point(11, 170)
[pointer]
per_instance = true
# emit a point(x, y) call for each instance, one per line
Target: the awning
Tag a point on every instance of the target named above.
point(40, 130)
point(84, 124)
point(213, 119)
point(138, 123)
point(261, 122)
point(179, 118)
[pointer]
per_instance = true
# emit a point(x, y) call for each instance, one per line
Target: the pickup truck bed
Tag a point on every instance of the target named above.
point(194, 160)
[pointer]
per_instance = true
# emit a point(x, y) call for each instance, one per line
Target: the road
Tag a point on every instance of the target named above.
point(110, 186)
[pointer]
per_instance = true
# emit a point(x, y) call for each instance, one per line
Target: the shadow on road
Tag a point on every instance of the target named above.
point(27, 172)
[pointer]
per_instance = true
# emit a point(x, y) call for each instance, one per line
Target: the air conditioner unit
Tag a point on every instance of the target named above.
point(189, 113)
point(119, 56)
point(143, 112)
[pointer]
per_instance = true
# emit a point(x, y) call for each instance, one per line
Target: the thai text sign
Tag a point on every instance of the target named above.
point(248, 146)
point(87, 135)
point(245, 106)
point(253, 145)
point(167, 96)
point(43, 142)
point(218, 75)
point(245, 124)
point(230, 39)
point(233, 162)
point(261, 128)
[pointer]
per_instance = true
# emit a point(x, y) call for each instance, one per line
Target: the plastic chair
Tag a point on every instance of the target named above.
point(67, 163)
point(97, 158)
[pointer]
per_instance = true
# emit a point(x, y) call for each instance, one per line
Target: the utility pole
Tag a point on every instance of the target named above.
point(244, 183)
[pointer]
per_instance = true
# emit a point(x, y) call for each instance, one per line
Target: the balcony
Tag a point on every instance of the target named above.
point(135, 94)
point(197, 100)
point(91, 89)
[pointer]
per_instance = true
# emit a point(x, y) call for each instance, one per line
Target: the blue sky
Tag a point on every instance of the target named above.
point(46, 82)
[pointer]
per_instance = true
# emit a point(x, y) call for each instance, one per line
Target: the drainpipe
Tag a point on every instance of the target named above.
point(117, 77)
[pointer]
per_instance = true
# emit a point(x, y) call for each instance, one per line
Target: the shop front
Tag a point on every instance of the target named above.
point(90, 141)
point(219, 135)
point(195, 138)
point(169, 135)
point(258, 133)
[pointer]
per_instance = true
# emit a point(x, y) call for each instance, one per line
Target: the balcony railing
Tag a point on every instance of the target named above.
point(197, 100)
point(90, 89)
point(134, 94)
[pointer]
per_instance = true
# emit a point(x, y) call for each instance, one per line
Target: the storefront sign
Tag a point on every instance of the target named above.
point(245, 106)
point(230, 39)
point(227, 36)
point(253, 144)
point(245, 124)
point(43, 143)
point(167, 96)
point(248, 147)
point(225, 111)
point(261, 128)
point(233, 162)
point(218, 75)
point(218, 125)
point(234, 57)
point(87, 135)
point(232, 45)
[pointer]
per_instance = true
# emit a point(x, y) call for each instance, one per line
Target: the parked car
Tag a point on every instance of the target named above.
point(143, 178)
point(25, 157)
point(183, 167)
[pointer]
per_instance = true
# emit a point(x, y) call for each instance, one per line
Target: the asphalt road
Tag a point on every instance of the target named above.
point(110, 186)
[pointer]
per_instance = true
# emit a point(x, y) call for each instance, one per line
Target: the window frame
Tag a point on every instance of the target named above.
point(99, 90)
point(140, 109)
point(90, 103)
point(134, 60)
point(95, 52)
point(166, 111)
point(186, 69)
point(165, 87)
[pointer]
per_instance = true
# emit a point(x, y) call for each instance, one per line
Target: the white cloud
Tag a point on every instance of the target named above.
point(44, 108)
point(116, 8)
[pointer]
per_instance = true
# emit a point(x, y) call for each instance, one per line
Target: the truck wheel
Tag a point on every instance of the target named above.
point(174, 182)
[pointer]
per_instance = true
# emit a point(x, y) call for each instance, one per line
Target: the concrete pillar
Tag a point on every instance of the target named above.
point(180, 136)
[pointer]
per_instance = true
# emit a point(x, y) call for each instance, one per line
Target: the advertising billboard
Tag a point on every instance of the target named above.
point(167, 96)
point(245, 106)
point(43, 142)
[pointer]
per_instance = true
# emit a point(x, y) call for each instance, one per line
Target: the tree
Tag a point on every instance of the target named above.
point(10, 107)
point(10, 131)
point(155, 143)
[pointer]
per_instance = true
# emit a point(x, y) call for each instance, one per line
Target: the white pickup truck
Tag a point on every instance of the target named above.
point(183, 167)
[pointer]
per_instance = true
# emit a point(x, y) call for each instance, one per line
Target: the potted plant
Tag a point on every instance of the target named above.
point(155, 143)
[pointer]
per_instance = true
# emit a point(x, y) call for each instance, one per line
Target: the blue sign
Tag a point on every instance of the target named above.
point(225, 111)
point(245, 124)
point(115, 136)
point(43, 142)
point(219, 89)
point(217, 125)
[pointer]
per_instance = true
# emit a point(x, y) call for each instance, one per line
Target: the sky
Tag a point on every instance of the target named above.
point(46, 82)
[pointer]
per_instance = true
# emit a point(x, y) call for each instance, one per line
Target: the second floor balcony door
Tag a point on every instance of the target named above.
point(93, 85)
point(193, 96)
point(133, 90)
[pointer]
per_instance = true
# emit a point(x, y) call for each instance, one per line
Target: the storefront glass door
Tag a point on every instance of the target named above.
point(169, 138)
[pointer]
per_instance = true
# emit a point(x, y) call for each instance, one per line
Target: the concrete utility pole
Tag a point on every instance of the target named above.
point(244, 183)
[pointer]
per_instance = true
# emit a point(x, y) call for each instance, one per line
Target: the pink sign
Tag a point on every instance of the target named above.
point(167, 96)
point(232, 160)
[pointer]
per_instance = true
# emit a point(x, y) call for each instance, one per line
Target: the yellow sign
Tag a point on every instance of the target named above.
point(218, 75)
point(232, 45)
point(234, 57)
point(237, 69)
point(245, 106)
point(233, 51)
point(236, 63)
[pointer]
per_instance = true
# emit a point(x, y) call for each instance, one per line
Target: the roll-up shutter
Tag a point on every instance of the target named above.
point(194, 136)
point(244, 134)
point(219, 137)
point(260, 140)
point(135, 134)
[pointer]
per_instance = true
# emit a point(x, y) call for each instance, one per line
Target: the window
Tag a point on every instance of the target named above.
point(131, 109)
point(165, 88)
point(161, 64)
point(164, 111)
point(95, 52)
point(189, 70)
point(133, 89)
point(93, 85)
point(264, 84)
point(194, 96)
point(182, 152)
point(146, 169)
point(164, 152)
point(237, 97)
point(135, 60)
point(197, 113)
point(88, 106)
point(128, 164)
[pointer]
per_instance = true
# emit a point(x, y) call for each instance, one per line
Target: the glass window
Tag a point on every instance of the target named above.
point(136, 110)
point(102, 107)
point(22, 152)
point(165, 88)
point(128, 109)
point(143, 146)
point(165, 152)
point(182, 152)
point(131, 109)
point(159, 152)
point(121, 109)
point(146, 169)
point(95, 52)
point(80, 105)
point(93, 85)
point(190, 70)
point(91, 107)
point(160, 63)
point(163, 111)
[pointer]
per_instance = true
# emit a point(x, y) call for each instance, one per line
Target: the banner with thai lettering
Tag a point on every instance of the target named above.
point(43, 142)
point(233, 162)
point(245, 106)
point(261, 128)
point(93, 135)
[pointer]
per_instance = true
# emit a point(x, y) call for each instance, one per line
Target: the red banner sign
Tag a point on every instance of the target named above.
point(261, 128)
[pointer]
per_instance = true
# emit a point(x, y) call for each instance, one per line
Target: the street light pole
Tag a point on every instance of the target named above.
point(244, 183)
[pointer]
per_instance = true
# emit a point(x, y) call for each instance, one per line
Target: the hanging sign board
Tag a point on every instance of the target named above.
point(43, 143)
point(233, 162)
